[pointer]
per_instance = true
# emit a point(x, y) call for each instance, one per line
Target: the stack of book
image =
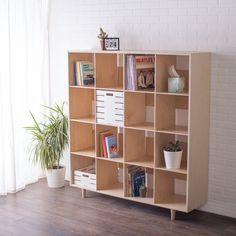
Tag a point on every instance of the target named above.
point(84, 73)
point(108, 144)
point(135, 179)
point(140, 72)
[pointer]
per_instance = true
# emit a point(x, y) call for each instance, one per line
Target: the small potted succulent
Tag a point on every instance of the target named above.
point(102, 35)
point(173, 155)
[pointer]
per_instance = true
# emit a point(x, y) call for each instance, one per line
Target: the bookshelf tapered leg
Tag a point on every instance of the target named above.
point(83, 192)
point(173, 212)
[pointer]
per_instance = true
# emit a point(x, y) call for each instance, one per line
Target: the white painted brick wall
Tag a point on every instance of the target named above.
point(206, 25)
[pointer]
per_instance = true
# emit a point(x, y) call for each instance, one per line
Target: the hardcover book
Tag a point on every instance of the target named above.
point(102, 143)
point(138, 181)
point(84, 73)
point(145, 66)
point(87, 73)
point(111, 145)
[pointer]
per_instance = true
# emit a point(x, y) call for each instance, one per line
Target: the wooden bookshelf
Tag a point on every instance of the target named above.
point(152, 118)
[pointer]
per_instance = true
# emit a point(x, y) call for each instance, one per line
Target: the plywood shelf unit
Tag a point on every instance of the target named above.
point(152, 118)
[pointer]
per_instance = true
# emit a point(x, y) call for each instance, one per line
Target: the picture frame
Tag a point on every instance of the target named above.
point(111, 44)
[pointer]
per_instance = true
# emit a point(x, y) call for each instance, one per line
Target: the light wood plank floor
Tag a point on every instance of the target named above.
point(41, 211)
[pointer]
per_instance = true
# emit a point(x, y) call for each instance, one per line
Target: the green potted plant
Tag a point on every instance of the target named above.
point(49, 141)
point(102, 35)
point(173, 155)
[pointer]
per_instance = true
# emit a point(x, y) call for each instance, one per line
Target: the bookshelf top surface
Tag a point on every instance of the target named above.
point(160, 52)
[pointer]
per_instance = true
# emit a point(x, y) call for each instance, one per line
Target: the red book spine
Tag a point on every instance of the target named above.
point(104, 146)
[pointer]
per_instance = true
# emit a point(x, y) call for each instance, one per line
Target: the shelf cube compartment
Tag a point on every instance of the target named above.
point(131, 175)
point(140, 72)
point(104, 130)
point(83, 172)
point(172, 114)
point(139, 110)
point(82, 139)
point(170, 190)
point(162, 140)
point(110, 107)
point(109, 70)
point(163, 63)
point(110, 177)
point(73, 57)
point(82, 104)
point(139, 147)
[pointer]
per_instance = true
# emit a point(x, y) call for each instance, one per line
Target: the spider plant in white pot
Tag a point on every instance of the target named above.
point(49, 141)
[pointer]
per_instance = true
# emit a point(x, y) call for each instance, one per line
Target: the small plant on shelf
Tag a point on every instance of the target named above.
point(102, 35)
point(173, 147)
point(173, 155)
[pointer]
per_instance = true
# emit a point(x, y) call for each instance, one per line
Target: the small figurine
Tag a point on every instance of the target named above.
point(149, 79)
point(143, 191)
point(141, 80)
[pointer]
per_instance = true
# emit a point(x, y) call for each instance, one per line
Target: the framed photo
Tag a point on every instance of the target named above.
point(111, 44)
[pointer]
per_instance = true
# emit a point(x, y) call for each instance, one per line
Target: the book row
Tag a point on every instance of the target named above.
point(140, 72)
point(108, 144)
point(84, 73)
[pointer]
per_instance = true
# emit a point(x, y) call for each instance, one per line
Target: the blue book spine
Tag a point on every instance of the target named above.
point(133, 184)
point(111, 146)
point(139, 180)
point(75, 74)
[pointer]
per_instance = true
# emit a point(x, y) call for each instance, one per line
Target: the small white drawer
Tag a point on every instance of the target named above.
point(109, 107)
point(85, 178)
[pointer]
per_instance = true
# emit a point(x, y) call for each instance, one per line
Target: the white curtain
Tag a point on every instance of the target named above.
point(24, 85)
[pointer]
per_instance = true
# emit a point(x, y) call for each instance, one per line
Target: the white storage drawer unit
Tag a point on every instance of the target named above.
point(85, 178)
point(110, 107)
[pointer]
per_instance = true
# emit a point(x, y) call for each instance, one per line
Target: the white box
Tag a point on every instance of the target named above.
point(85, 178)
point(110, 107)
point(176, 84)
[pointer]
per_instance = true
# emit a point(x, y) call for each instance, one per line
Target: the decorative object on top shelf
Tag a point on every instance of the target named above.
point(173, 155)
point(102, 35)
point(49, 141)
point(176, 83)
point(111, 44)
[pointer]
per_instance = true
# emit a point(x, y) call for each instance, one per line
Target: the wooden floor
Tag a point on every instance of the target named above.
point(39, 210)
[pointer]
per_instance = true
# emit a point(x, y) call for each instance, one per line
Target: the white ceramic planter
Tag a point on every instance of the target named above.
point(173, 159)
point(56, 177)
